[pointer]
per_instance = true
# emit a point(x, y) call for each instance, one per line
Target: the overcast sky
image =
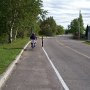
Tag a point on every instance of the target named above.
point(63, 11)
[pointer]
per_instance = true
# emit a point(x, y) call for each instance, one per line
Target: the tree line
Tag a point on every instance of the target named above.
point(19, 18)
point(77, 28)
point(50, 28)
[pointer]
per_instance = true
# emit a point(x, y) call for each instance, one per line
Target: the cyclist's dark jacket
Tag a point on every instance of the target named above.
point(33, 37)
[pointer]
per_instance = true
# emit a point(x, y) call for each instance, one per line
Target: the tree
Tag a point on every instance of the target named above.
point(19, 16)
point(77, 26)
point(48, 27)
point(74, 28)
point(60, 30)
point(81, 24)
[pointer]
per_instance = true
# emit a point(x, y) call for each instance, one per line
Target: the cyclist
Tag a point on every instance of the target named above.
point(33, 39)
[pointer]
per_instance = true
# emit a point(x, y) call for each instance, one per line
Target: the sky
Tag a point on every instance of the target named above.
point(64, 11)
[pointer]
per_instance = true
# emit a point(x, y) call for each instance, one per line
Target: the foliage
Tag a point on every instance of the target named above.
point(48, 27)
point(76, 26)
point(3, 38)
point(86, 33)
point(19, 16)
point(81, 24)
point(60, 30)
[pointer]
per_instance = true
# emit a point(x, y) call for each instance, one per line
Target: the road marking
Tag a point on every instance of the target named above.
point(56, 71)
point(74, 50)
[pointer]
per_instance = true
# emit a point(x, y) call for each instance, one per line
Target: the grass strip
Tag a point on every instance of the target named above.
point(8, 52)
point(87, 42)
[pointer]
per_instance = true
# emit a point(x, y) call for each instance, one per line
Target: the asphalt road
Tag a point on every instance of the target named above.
point(33, 72)
point(70, 69)
point(72, 60)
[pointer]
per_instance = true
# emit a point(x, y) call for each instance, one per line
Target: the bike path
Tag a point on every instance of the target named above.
point(33, 72)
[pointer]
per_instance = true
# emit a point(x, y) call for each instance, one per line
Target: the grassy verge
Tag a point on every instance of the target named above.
point(87, 42)
point(8, 52)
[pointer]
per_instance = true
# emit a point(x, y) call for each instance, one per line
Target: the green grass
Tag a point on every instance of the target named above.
point(87, 42)
point(8, 52)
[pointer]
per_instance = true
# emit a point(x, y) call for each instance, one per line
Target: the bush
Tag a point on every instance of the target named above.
point(4, 38)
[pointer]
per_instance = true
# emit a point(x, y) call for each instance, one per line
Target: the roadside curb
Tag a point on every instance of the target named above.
point(7, 73)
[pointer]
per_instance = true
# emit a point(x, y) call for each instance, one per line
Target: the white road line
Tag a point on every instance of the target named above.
point(78, 52)
point(56, 71)
point(74, 50)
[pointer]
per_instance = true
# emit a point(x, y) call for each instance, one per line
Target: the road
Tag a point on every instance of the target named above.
point(72, 60)
point(32, 72)
point(66, 67)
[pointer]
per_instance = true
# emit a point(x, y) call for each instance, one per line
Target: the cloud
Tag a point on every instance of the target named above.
point(64, 11)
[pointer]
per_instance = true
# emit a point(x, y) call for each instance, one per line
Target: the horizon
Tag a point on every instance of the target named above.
point(65, 11)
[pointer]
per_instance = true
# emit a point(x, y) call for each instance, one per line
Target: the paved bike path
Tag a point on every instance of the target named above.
point(33, 72)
